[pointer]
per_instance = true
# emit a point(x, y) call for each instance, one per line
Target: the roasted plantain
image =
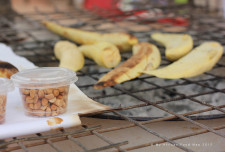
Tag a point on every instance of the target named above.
point(123, 41)
point(103, 53)
point(198, 61)
point(177, 45)
point(146, 56)
point(69, 55)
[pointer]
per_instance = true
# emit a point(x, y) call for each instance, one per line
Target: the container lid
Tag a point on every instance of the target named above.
point(6, 85)
point(49, 77)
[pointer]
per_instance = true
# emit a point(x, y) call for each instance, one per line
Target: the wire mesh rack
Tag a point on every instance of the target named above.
point(28, 38)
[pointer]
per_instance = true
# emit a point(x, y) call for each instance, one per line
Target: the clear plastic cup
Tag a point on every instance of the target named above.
point(44, 91)
point(5, 87)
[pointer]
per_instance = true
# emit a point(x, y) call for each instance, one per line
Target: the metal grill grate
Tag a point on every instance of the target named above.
point(25, 34)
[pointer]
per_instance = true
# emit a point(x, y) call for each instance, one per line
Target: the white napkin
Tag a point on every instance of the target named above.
point(18, 124)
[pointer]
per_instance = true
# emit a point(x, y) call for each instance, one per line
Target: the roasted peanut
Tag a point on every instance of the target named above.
point(29, 99)
point(32, 93)
point(26, 91)
point(59, 102)
point(31, 105)
point(35, 98)
point(45, 102)
point(56, 92)
point(52, 100)
point(2, 107)
point(53, 107)
point(41, 94)
point(49, 96)
point(59, 97)
point(43, 107)
point(37, 106)
point(54, 113)
point(48, 111)
point(61, 89)
point(48, 91)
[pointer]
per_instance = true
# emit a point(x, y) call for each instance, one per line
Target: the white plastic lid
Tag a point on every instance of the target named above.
point(6, 85)
point(49, 77)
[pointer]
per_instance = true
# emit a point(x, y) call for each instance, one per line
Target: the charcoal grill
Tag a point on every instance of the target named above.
point(26, 35)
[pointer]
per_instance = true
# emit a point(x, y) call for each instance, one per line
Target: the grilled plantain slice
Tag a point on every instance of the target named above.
point(177, 45)
point(198, 61)
point(123, 41)
point(103, 53)
point(146, 56)
point(69, 55)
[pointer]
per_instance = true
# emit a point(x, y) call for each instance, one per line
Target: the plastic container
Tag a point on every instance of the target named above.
point(44, 91)
point(5, 87)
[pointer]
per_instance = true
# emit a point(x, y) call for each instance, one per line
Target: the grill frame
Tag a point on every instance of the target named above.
point(51, 138)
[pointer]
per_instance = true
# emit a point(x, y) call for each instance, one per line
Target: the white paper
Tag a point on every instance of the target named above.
point(18, 124)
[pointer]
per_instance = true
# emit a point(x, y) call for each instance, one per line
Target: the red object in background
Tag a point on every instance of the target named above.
point(109, 5)
point(179, 21)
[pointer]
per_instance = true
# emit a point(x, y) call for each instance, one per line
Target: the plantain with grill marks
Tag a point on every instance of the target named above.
point(146, 57)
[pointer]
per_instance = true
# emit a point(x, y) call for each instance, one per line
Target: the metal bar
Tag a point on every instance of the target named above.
point(108, 147)
point(49, 136)
point(77, 142)
point(153, 132)
point(23, 147)
point(154, 120)
point(107, 140)
point(53, 146)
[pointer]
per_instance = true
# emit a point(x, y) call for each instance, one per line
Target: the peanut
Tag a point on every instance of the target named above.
point(49, 96)
point(2, 108)
point(48, 91)
point(53, 107)
point(48, 111)
point(44, 102)
point(59, 102)
point(56, 92)
point(32, 93)
point(31, 105)
point(37, 106)
point(29, 99)
point(41, 94)
point(54, 113)
point(52, 100)
point(43, 107)
point(26, 92)
point(61, 89)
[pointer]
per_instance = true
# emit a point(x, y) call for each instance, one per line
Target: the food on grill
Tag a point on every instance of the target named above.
point(177, 45)
point(123, 41)
point(103, 53)
point(146, 57)
point(2, 107)
point(45, 102)
point(198, 61)
point(7, 69)
point(69, 55)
